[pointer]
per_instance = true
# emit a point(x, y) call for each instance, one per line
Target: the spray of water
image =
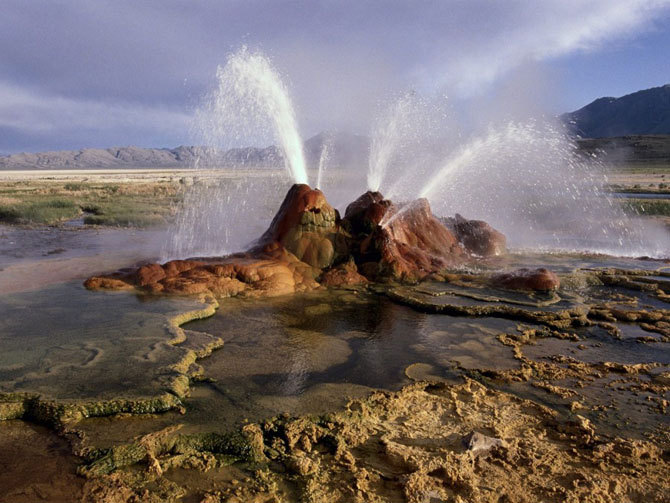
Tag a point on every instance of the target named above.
point(408, 139)
point(529, 181)
point(224, 213)
point(225, 210)
point(391, 134)
point(251, 105)
point(323, 161)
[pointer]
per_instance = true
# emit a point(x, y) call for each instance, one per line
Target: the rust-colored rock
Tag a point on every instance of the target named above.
point(148, 274)
point(343, 275)
point(407, 243)
point(366, 212)
point(241, 274)
point(542, 280)
point(307, 226)
point(307, 240)
point(107, 283)
point(477, 237)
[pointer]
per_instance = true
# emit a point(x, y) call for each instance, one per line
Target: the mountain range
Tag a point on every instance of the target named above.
point(630, 119)
point(344, 149)
point(644, 112)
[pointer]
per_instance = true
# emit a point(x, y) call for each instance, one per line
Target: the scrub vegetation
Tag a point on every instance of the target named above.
point(111, 204)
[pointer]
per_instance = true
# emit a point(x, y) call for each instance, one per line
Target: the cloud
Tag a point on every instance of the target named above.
point(550, 30)
point(52, 119)
point(125, 70)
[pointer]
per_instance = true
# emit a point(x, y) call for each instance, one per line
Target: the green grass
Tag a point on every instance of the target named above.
point(42, 211)
point(121, 205)
point(649, 188)
point(73, 187)
point(658, 207)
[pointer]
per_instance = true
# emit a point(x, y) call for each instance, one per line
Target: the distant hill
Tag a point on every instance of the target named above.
point(644, 112)
point(345, 149)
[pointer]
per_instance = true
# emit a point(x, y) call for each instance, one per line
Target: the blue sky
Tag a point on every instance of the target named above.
point(620, 68)
point(76, 73)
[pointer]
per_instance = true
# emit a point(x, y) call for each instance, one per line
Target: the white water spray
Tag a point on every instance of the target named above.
point(408, 140)
point(323, 161)
point(528, 181)
point(251, 105)
point(389, 139)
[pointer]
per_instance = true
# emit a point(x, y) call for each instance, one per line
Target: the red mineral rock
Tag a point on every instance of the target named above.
point(307, 226)
point(542, 280)
point(407, 243)
point(477, 237)
point(307, 240)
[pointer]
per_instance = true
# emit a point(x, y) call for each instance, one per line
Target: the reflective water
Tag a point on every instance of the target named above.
point(308, 353)
point(300, 354)
point(69, 343)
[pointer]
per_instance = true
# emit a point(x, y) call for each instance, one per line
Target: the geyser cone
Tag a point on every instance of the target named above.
point(403, 243)
point(308, 227)
point(366, 212)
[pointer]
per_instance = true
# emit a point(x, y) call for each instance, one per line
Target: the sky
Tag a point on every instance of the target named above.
point(84, 73)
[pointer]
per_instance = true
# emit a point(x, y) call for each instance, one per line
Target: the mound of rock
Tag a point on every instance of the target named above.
point(226, 278)
point(406, 242)
point(477, 237)
point(307, 243)
point(307, 227)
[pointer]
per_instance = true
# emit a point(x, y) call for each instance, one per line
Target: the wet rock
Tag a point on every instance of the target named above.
point(541, 280)
point(343, 275)
point(477, 237)
point(308, 227)
point(663, 378)
point(365, 213)
point(107, 283)
point(148, 274)
point(407, 243)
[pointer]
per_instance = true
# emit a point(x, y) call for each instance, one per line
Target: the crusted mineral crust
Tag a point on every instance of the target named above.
point(427, 442)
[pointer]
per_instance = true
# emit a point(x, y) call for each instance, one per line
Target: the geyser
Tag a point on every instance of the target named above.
point(251, 104)
point(529, 181)
point(324, 157)
point(407, 141)
point(307, 242)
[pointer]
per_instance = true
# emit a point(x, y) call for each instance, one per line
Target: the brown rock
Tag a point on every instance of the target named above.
point(477, 237)
point(365, 213)
point(148, 274)
point(176, 267)
point(343, 275)
point(107, 283)
point(308, 227)
point(408, 243)
point(542, 280)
